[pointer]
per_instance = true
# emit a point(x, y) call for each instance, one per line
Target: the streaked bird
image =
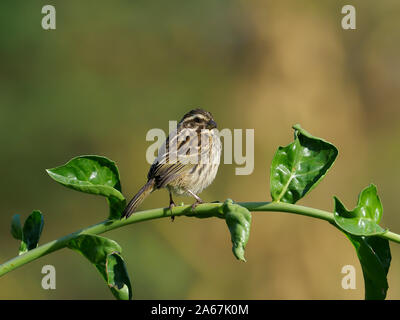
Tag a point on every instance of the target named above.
point(187, 162)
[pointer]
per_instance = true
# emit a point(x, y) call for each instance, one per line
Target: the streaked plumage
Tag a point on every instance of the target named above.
point(187, 162)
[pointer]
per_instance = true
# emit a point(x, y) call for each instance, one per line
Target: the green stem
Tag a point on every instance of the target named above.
point(204, 210)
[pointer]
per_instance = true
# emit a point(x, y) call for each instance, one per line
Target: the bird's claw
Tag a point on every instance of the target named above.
point(194, 205)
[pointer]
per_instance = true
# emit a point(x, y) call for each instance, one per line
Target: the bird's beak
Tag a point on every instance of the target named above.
point(211, 124)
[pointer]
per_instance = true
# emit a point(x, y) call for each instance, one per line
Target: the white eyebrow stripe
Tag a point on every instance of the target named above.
point(200, 116)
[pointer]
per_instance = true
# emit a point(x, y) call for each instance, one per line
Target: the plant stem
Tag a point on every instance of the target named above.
point(201, 211)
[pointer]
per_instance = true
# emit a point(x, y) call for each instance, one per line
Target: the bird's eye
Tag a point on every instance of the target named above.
point(197, 120)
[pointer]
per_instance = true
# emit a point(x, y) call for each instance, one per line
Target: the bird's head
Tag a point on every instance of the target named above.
point(198, 119)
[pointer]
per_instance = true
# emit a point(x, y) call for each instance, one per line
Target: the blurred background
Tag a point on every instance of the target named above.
point(111, 71)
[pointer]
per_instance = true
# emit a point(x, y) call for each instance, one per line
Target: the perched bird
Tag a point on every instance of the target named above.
point(187, 162)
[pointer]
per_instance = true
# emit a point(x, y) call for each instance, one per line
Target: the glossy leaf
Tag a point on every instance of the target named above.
point(117, 277)
point(297, 168)
point(364, 218)
point(94, 175)
point(104, 254)
point(374, 255)
point(31, 231)
point(116, 206)
point(16, 228)
point(238, 220)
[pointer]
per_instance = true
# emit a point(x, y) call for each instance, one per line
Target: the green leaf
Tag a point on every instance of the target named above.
point(361, 227)
point(364, 218)
point(117, 206)
point(118, 279)
point(94, 175)
point(374, 255)
point(16, 229)
point(297, 168)
point(31, 232)
point(238, 220)
point(104, 254)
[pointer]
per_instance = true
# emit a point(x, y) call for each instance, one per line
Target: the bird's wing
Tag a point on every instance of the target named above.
point(179, 154)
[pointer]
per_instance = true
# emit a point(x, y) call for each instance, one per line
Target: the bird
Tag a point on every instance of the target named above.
point(186, 163)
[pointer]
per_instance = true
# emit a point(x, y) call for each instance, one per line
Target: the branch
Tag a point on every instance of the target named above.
point(202, 211)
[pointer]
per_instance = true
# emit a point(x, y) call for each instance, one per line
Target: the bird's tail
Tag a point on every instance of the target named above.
point(138, 198)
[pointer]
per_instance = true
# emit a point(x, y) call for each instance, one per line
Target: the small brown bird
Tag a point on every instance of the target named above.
point(187, 162)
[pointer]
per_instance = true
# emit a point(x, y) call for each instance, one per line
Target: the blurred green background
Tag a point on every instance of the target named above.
point(112, 70)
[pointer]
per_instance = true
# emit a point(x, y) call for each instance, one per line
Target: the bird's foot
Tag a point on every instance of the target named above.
point(171, 206)
point(194, 205)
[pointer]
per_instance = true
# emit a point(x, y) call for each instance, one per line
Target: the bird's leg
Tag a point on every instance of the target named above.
point(198, 200)
point(171, 204)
